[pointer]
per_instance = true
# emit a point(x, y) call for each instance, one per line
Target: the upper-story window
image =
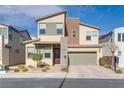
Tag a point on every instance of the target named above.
point(59, 28)
point(10, 34)
point(94, 33)
point(88, 35)
point(123, 37)
point(3, 32)
point(74, 33)
point(42, 28)
point(119, 37)
point(22, 39)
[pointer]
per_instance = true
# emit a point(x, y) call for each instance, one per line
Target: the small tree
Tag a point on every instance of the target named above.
point(112, 47)
point(36, 57)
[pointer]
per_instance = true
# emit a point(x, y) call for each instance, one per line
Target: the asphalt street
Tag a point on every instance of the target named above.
point(60, 83)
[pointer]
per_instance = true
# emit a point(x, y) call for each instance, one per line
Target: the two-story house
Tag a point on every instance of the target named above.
point(64, 41)
point(114, 40)
point(12, 49)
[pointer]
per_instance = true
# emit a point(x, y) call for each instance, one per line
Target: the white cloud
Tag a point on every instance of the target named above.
point(29, 10)
point(23, 15)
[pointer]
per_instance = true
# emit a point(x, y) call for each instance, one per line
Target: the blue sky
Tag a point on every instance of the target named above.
point(23, 17)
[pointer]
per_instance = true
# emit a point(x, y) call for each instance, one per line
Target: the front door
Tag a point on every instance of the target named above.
point(57, 55)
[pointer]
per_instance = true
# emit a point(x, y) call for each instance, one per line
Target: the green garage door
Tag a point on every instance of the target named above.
point(82, 58)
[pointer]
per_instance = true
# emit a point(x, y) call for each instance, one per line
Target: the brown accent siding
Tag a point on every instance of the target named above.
point(72, 24)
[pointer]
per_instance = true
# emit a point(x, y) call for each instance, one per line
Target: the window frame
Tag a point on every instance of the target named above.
point(5, 34)
point(119, 37)
point(40, 28)
point(74, 33)
point(22, 39)
point(47, 55)
point(59, 28)
point(96, 33)
point(88, 34)
point(46, 51)
point(10, 34)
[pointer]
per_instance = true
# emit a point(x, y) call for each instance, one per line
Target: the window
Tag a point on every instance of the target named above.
point(47, 55)
point(3, 32)
point(123, 37)
point(47, 52)
point(59, 28)
point(22, 39)
point(10, 34)
point(74, 33)
point(94, 33)
point(119, 37)
point(88, 35)
point(30, 50)
point(42, 28)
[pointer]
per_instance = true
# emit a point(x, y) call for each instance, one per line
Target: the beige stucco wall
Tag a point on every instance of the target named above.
point(51, 38)
point(29, 61)
point(54, 19)
point(99, 54)
point(82, 37)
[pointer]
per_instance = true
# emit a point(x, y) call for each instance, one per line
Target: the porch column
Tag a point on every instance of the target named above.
point(64, 52)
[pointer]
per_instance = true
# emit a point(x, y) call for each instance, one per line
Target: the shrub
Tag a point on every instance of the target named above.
point(24, 69)
point(47, 67)
point(16, 70)
point(21, 66)
point(64, 69)
point(30, 66)
point(119, 71)
point(103, 61)
point(107, 66)
point(36, 56)
point(43, 65)
point(44, 70)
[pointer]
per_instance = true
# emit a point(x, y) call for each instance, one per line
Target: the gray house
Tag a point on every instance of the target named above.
point(12, 50)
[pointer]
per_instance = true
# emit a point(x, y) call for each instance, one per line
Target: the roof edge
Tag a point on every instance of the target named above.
point(50, 15)
point(84, 24)
point(32, 40)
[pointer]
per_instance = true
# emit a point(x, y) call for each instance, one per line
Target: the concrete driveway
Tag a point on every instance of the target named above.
point(92, 71)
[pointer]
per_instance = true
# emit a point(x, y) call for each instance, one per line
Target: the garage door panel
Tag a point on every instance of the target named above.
point(82, 58)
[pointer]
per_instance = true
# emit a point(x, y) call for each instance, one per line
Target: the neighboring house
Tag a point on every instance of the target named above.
point(64, 41)
point(12, 49)
point(114, 39)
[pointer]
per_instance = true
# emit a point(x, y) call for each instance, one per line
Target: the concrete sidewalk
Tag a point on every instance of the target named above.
point(33, 75)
